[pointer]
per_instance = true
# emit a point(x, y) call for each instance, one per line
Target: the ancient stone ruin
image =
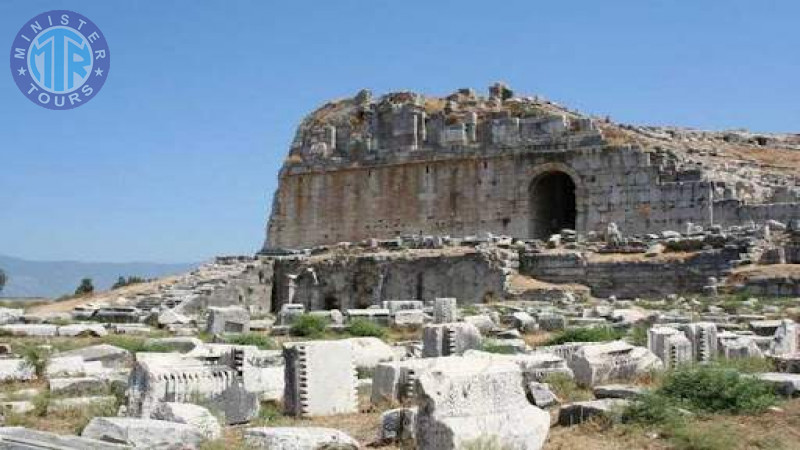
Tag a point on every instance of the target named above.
point(445, 273)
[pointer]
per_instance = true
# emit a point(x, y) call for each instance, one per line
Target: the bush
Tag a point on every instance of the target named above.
point(85, 288)
point(652, 409)
point(261, 341)
point(566, 389)
point(715, 389)
point(492, 346)
point(638, 335)
point(364, 328)
point(37, 358)
point(308, 325)
point(593, 334)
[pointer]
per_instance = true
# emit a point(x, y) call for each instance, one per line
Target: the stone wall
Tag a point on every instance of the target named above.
point(733, 212)
point(630, 278)
point(359, 281)
point(463, 196)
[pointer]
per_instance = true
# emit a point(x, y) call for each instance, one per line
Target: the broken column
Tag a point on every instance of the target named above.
point(445, 310)
point(703, 336)
point(449, 339)
point(320, 378)
point(670, 345)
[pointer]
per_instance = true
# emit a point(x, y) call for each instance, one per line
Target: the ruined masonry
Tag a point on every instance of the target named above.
point(404, 163)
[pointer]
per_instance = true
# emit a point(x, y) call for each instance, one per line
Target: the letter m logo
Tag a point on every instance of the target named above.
point(19, 53)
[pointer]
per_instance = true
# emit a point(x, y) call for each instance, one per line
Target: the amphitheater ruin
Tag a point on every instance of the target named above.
point(448, 273)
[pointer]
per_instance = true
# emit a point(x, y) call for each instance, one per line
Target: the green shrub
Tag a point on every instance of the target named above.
point(638, 335)
point(364, 328)
point(261, 341)
point(492, 346)
point(308, 325)
point(566, 389)
point(653, 409)
point(714, 389)
point(37, 358)
point(593, 334)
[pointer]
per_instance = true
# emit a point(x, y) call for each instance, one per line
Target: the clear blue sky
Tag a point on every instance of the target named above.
point(176, 159)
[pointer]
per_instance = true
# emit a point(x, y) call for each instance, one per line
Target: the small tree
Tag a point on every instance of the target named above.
point(85, 288)
point(3, 279)
point(120, 283)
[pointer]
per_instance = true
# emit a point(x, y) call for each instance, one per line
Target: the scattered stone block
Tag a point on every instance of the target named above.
point(462, 400)
point(298, 438)
point(320, 378)
point(10, 315)
point(398, 425)
point(541, 395)
point(785, 384)
point(143, 433)
point(449, 339)
point(108, 355)
point(482, 322)
point(80, 403)
point(160, 377)
point(703, 336)
point(623, 391)
point(187, 413)
point(30, 330)
point(670, 345)
point(600, 363)
point(77, 386)
point(17, 407)
point(368, 352)
point(26, 439)
point(230, 319)
point(15, 370)
point(79, 329)
point(524, 322)
point(409, 318)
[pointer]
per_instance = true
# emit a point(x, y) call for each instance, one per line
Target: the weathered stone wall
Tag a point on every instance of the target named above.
point(734, 212)
point(359, 281)
point(630, 278)
point(471, 195)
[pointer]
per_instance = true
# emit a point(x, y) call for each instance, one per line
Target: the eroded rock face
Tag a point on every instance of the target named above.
point(463, 401)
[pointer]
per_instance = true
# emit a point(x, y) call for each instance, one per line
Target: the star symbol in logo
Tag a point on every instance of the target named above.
point(21, 71)
point(98, 72)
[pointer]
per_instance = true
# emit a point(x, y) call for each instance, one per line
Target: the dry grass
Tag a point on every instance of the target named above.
point(108, 297)
point(745, 273)
point(771, 430)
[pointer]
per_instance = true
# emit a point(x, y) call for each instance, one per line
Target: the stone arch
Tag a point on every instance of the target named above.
point(554, 200)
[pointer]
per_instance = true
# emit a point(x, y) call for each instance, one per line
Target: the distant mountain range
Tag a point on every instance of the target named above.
point(56, 278)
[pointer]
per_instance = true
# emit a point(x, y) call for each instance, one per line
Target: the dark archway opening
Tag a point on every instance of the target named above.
point(331, 303)
point(552, 204)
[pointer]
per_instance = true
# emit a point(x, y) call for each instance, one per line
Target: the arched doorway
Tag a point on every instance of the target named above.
point(552, 204)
